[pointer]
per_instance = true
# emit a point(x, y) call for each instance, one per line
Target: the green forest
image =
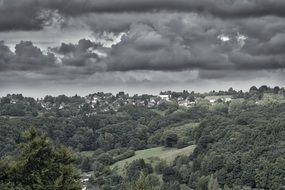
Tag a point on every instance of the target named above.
point(225, 140)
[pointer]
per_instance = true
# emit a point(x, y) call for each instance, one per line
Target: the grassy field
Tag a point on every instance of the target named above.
point(181, 131)
point(153, 155)
point(87, 153)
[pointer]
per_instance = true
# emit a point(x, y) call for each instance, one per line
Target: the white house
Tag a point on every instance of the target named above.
point(212, 100)
point(183, 103)
point(95, 99)
point(61, 106)
point(13, 101)
point(164, 97)
point(228, 99)
point(152, 100)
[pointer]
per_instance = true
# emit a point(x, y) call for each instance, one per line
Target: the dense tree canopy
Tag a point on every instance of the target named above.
point(39, 165)
point(239, 143)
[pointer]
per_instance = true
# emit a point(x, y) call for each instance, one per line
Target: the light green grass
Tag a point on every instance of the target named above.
point(171, 154)
point(87, 153)
point(153, 155)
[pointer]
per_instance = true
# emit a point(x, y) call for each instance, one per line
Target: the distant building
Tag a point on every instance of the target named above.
point(13, 101)
point(151, 104)
point(152, 100)
point(94, 100)
point(164, 97)
point(183, 103)
point(61, 106)
point(228, 99)
point(180, 98)
point(213, 99)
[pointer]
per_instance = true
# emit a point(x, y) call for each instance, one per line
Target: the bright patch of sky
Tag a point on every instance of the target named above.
point(224, 38)
point(108, 39)
point(241, 39)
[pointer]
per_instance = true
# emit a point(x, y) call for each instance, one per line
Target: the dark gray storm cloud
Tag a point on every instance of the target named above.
point(27, 57)
point(205, 39)
point(6, 55)
point(180, 42)
point(22, 15)
point(72, 59)
point(146, 48)
point(34, 14)
point(220, 8)
point(82, 46)
point(80, 54)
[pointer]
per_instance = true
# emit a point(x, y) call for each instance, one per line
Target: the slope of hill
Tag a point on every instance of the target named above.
point(154, 154)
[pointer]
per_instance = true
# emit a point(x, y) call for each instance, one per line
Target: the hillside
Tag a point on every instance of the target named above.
point(232, 139)
point(153, 155)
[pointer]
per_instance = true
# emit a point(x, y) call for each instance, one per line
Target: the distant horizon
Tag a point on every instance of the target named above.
point(131, 93)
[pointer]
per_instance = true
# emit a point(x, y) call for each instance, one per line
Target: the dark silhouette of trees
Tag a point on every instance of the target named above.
point(39, 165)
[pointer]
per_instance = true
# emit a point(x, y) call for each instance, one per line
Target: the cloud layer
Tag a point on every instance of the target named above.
point(34, 14)
point(209, 39)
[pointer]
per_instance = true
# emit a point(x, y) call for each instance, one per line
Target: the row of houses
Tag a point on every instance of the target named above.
point(107, 103)
point(104, 102)
point(214, 99)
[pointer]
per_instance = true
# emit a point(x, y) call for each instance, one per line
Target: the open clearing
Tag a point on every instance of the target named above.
point(87, 153)
point(154, 154)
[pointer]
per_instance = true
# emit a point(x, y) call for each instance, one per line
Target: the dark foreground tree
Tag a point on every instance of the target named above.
point(39, 165)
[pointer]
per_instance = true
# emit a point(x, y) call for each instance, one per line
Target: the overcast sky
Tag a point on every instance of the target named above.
point(139, 46)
